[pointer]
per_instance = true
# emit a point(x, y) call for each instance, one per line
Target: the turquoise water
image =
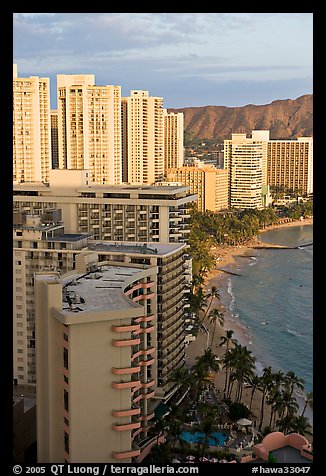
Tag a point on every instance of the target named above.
point(273, 301)
point(217, 438)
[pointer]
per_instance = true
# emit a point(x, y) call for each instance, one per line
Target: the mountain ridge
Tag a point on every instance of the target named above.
point(284, 118)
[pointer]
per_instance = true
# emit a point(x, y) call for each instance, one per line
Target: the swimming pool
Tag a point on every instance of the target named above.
point(217, 438)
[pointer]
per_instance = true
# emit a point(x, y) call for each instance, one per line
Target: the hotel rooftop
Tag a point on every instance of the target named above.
point(97, 291)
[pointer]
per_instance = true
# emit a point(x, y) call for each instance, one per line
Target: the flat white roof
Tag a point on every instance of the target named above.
point(98, 290)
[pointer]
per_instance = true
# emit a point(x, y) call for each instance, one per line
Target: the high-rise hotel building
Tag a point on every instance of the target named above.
point(106, 323)
point(290, 164)
point(119, 213)
point(95, 353)
point(89, 125)
point(243, 157)
point(143, 138)
point(173, 139)
point(31, 128)
point(54, 139)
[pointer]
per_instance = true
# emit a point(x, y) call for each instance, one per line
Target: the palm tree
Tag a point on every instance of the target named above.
point(197, 300)
point(288, 403)
point(287, 424)
point(266, 383)
point(214, 316)
point(244, 369)
point(214, 293)
point(308, 401)
point(302, 426)
point(205, 364)
point(227, 340)
point(292, 380)
point(254, 382)
point(209, 416)
point(207, 361)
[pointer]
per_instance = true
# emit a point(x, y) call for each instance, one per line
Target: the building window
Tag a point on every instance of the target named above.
point(66, 442)
point(66, 400)
point(65, 358)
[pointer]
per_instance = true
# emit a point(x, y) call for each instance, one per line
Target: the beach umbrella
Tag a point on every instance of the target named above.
point(203, 459)
point(244, 422)
point(175, 460)
point(213, 460)
point(223, 461)
point(190, 458)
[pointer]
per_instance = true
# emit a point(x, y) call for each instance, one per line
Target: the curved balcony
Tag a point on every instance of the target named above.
point(126, 328)
point(125, 454)
point(137, 399)
point(125, 342)
point(129, 384)
point(125, 371)
point(148, 285)
point(146, 417)
point(124, 413)
point(125, 426)
point(145, 318)
point(135, 433)
point(133, 288)
point(147, 384)
point(142, 352)
point(143, 296)
point(146, 363)
point(146, 396)
point(147, 330)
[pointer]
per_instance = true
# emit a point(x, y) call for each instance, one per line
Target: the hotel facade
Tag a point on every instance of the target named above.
point(31, 128)
point(243, 158)
point(143, 138)
point(114, 325)
point(89, 127)
point(290, 164)
point(120, 213)
point(173, 139)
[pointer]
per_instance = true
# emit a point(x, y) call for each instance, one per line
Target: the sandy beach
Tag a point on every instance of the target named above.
point(226, 256)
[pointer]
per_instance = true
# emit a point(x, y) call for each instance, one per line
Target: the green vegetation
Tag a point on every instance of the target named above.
point(276, 388)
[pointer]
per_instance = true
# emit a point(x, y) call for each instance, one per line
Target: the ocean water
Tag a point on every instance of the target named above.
point(272, 301)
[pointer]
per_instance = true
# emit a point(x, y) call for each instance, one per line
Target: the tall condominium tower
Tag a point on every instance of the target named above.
point(243, 157)
point(290, 164)
point(94, 363)
point(109, 336)
point(173, 139)
point(89, 122)
point(143, 138)
point(31, 128)
point(54, 139)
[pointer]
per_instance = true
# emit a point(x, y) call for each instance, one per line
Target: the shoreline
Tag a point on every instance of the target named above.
point(228, 256)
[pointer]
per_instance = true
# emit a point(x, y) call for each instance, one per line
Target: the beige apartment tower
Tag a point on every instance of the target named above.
point(290, 165)
point(31, 129)
point(94, 362)
point(173, 139)
point(243, 158)
point(89, 123)
point(54, 139)
point(207, 182)
point(143, 138)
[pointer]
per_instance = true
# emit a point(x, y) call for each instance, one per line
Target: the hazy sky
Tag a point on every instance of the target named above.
point(189, 59)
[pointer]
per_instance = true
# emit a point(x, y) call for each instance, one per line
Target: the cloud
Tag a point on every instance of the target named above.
point(198, 51)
